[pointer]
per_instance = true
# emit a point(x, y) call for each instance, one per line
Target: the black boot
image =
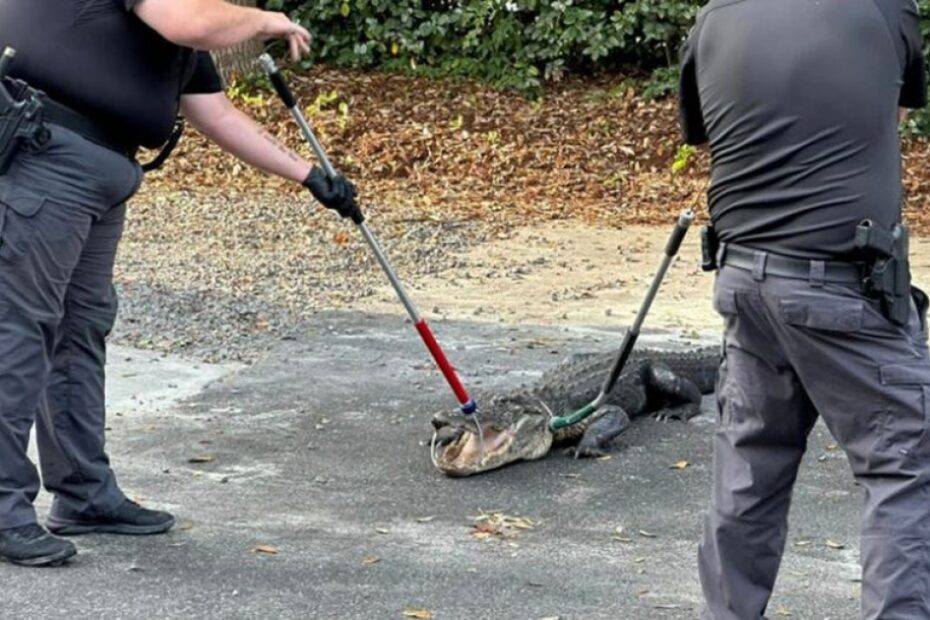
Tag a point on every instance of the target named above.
point(128, 518)
point(31, 545)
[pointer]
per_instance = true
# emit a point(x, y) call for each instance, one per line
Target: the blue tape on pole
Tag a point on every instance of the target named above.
point(470, 407)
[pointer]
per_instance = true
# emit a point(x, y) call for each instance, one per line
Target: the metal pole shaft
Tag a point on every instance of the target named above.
point(366, 233)
point(392, 276)
point(468, 406)
point(629, 340)
point(312, 139)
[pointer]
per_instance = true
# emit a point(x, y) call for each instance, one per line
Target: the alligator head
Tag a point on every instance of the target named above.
point(513, 428)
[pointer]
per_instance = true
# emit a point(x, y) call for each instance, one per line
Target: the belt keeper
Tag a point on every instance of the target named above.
point(758, 265)
point(818, 273)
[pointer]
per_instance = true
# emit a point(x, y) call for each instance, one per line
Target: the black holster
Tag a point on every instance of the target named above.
point(22, 125)
point(710, 248)
point(886, 274)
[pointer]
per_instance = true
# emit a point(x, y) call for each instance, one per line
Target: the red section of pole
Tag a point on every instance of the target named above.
point(443, 362)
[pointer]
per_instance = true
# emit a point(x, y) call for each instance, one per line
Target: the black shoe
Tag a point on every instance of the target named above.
point(128, 518)
point(31, 545)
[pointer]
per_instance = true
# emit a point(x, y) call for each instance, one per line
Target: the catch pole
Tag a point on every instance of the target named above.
point(629, 340)
point(467, 405)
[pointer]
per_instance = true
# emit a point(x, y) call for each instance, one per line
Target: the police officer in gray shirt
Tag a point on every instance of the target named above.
point(799, 101)
point(113, 74)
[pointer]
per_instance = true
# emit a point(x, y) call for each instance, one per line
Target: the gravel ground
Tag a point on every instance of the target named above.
point(222, 277)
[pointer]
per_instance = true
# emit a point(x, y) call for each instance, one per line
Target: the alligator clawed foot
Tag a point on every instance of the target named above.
point(585, 452)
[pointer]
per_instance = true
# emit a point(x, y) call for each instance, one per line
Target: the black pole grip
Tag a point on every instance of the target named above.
point(626, 349)
point(284, 91)
point(678, 235)
point(6, 59)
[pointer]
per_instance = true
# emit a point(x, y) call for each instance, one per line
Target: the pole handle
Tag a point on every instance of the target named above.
point(6, 60)
point(278, 81)
point(284, 92)
point(678, 234)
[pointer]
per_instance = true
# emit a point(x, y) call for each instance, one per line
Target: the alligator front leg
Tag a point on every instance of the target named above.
point(612, 421)
point(681, 398)
point(678, 412)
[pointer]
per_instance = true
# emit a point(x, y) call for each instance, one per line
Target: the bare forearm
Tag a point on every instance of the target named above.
point(217, 24)
point(225, 25)
point(236, 133)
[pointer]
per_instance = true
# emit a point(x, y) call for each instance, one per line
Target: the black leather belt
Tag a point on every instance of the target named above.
point(762, 263)
point(58, 114)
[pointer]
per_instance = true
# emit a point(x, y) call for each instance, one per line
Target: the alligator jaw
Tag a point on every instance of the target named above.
point(461, 453)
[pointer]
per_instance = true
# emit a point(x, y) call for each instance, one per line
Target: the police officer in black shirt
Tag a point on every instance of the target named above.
point(113, 74)
point(799, 101)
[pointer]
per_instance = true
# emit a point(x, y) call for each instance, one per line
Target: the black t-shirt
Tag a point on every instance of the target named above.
point(97, 57)
point(799, 99)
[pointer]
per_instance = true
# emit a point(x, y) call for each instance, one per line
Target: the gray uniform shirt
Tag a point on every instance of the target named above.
point(798, 99)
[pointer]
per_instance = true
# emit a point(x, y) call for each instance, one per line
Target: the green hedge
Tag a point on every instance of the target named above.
point(511, 43)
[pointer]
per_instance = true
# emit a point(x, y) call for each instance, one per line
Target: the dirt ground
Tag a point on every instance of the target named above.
point(568, 272)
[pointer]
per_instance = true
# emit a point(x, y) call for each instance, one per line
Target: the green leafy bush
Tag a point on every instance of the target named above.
point(511, 43)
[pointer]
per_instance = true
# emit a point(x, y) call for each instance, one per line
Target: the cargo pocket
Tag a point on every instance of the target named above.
point(901, 427)
point(824, 314)
point(18, 208)
point(725, 302)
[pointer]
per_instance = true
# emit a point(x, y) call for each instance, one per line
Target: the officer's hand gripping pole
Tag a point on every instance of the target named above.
point(629, 340)
point(467, 405)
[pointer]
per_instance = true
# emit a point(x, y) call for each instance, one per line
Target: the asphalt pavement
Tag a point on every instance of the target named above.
point(304, 489)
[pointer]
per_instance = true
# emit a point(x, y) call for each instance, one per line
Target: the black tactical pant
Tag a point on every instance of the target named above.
point(796, 349)
point(61, 218)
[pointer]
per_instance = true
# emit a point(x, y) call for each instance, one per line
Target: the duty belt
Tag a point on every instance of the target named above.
point(762, 263)
point(58, 114)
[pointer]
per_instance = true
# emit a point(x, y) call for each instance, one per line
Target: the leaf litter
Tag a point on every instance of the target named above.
point(441, 167)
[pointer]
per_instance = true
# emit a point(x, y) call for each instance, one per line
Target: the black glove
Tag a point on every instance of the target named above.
point(335, 193)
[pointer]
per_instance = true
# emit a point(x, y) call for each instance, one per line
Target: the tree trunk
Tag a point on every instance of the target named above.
point(239, 61)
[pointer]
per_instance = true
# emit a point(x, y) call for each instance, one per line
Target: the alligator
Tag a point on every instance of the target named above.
point(515, 425)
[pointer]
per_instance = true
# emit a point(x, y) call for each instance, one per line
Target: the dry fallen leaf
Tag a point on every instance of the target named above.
point(681, 465)
point(783, 611)
point(496, 524)
point(341, 238)
point(620, 535)
point(426, 519)
point(835, 545)
point(370, 560)
point(646, 534)
point(382, 530)
point(419, 614)
point(203, 458)
point(265, 549)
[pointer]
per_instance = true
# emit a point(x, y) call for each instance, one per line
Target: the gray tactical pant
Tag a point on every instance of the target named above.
point(796, 349)
point(61, 218)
